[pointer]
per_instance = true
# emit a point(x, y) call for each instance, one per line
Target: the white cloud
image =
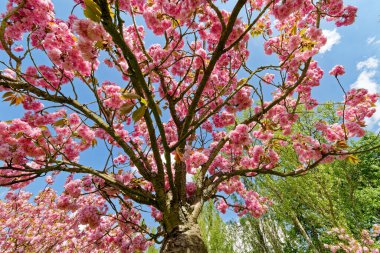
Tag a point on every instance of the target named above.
point(370, 63)
point(366, 80)
point(370, 40)
point(371, 122)
point(373, 41)
point(333, 38)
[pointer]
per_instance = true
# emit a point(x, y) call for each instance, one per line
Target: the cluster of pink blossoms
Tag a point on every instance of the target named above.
point(29, 137)
point(240, 136)
point(43, 226)
point(195, 160)
point(282, 10)
point(359, 105)
point(47, 77)
point(348, 244)
point(38, 12)
point(66, 51)
point(338, 70)
point(252, 204)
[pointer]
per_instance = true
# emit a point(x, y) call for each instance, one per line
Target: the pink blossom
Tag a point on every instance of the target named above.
point(338, 70)
point(73, 188)
point(89, 215)
point(222, 206)
point(49, 179)
point(240, 135)
point(19, 48)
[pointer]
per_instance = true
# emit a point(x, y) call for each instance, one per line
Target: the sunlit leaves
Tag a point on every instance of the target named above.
point(129, 95)
point(342, 144)
point(60, 123)
point(353, 159)
point(139, 113)
point(14, 98)
point(144, 102)
point(92, 11)
point(125, 109)
point(101, 45)
point(94, 142)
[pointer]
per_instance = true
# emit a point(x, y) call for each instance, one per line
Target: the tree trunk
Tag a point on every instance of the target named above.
point(298, 224)
point(184, 239)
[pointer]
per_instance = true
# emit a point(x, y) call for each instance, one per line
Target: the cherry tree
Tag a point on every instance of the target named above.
point(179, 122)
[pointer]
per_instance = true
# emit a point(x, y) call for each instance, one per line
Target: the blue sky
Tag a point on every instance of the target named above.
point(357, 47)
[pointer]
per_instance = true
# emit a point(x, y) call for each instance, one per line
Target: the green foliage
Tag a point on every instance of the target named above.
point(360, 188)
point(341, 194)
point(214, 231)
point(152, 249)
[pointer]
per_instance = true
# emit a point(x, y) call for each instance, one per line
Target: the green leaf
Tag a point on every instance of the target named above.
point(19, 134)
point(88, 13)
point(353, 159)
point(125, 109)
point(139, 113)
point(101, 45)
point(60, 123)
point(242, 81)
point(144, 102)
point(129, 95)
point(294, 29)
point(92, 11)
point(43, 128)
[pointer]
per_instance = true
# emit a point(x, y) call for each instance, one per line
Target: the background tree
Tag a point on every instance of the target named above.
point(159, 113)
point(214, 231)
point(342, 194)
point(305, 209)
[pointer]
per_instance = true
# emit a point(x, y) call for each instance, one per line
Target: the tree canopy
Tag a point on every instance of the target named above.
point(164, 115)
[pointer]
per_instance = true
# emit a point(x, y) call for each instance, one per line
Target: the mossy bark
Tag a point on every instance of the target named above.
point(184, 239)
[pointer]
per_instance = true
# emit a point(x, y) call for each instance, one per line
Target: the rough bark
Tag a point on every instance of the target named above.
point(184, 239)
